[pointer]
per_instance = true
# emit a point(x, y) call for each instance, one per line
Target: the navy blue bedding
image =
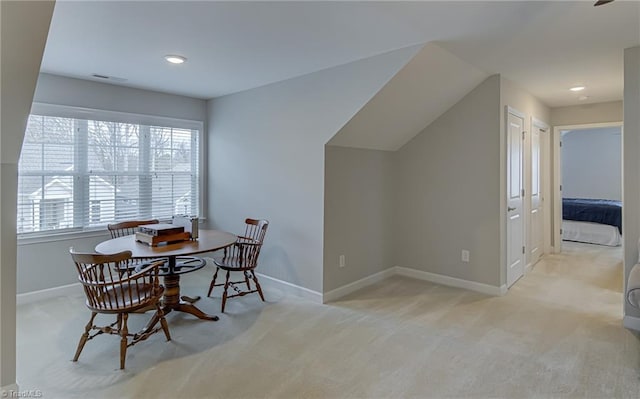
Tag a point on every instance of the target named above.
point(593, 210)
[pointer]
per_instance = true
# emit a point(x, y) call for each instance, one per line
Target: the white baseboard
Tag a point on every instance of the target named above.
point(10, 391)
point(290, 288)
point(76, 289)
point(417, 274)
point(528, 268)
point(451, 281)
point(356, 285)
point(65, 290)
point(631, 322)
point(314, 296)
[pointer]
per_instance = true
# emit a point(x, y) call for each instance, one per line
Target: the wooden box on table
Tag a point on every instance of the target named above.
point(155, 234)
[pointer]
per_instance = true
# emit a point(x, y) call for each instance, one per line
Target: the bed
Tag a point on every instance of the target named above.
point(594, 221)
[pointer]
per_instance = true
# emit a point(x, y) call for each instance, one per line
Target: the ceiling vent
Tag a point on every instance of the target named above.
point(109, 78)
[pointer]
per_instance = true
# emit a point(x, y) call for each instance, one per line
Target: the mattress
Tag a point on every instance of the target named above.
point(593, 210)
point(592, 233)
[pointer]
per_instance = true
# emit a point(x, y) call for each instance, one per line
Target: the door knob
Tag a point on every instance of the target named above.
point(511, 209)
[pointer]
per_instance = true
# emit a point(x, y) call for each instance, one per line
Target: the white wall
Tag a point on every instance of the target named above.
point(587, 113)
point(266, 154)
point(60, 90)
point(631, 156)
point(358, 214)
point(47, 264)
point(447, 194)
point(592, 163)
point(448, 191)
point(23, 31)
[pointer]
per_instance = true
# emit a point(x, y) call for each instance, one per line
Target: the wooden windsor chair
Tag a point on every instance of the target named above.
point(119, 294)
point(127, 228)
point(242, 256)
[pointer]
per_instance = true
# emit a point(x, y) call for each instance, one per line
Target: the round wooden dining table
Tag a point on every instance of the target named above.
point(208, 241)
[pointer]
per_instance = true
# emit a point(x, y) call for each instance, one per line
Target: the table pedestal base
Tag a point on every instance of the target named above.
point(172, 300)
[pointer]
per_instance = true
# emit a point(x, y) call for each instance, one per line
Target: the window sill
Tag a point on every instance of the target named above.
point(35, 238)
point(53, 237)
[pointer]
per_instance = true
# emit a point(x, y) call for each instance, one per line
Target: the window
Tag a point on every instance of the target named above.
point(52, 214)
point(84, 173)
point(94, 212)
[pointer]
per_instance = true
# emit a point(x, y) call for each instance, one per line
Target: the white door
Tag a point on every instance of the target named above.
point(515, 216)
point(536, 242)
point(557, 190)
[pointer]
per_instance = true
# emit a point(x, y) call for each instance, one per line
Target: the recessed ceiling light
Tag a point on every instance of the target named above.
point(175, 59)
point(577, 88)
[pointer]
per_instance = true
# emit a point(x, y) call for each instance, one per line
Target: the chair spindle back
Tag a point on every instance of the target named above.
point(255, 229)
point(247, 247)
point(127, 228)
point(106, 290)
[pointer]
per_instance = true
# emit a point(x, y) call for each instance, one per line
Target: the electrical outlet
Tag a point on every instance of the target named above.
point(465, 256)
point(341, 261)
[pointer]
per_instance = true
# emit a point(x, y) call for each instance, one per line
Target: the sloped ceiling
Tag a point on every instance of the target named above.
point(543, 46)
point(431, 83)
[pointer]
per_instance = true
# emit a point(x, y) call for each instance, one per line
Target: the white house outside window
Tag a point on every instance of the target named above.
point(84, 173)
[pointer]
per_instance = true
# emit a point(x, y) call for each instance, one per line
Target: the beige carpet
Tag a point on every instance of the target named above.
point(557, 333)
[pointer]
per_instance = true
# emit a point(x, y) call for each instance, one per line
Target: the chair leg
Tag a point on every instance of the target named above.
point(163, 322)
point(123, 341)
point(213, 282)
point(255, 280)
point(224, 294)
point(246, 280)
point(84, 337)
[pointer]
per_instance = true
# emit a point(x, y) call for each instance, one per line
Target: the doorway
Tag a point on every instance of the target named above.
point(587, 185)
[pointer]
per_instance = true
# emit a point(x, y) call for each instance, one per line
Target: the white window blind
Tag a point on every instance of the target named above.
point(84, 173)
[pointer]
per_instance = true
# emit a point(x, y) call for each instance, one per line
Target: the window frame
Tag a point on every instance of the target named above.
point(64, 111)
